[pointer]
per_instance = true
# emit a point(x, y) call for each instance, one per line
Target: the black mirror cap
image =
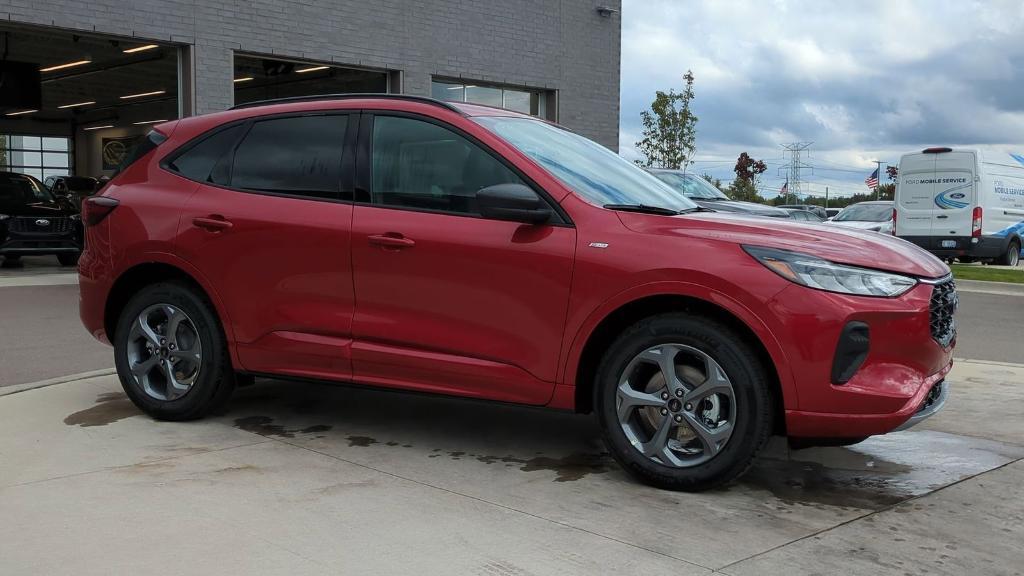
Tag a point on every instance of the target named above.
point(512, 202)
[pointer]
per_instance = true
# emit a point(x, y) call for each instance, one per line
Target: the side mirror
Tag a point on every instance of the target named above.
point(513, 202)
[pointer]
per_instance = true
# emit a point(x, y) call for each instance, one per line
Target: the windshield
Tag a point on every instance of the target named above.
point(865, 213)
point(691, 186)
point(22, 189)
point(597, 174)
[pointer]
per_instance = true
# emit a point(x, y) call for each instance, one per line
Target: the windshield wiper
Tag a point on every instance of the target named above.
point(696, 209)
point(642, 208)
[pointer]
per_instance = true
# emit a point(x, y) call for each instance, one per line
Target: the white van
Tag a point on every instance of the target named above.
point(962, 203)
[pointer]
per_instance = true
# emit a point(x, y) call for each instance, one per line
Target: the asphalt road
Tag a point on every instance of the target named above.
point(41, 336)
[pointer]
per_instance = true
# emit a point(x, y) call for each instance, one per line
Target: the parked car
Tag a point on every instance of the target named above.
point(831, 212)
point(809, 207)
point(74, 188)
point(702, 193)
point(962, 203)
point(33, 222)
point(802, 215)
point(403, 242)
point(875, 215)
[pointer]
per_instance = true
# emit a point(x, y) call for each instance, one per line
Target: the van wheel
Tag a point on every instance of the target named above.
point(683, 402)
point(1012, 256)
point(171, 354)
point(68, 259)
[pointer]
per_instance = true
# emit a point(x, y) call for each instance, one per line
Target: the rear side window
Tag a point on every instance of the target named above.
point(299, 156)
point(209, 160)
point(141, 147)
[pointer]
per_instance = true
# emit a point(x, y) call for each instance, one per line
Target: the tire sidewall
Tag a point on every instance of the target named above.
point(750, 389)
point(211, 372)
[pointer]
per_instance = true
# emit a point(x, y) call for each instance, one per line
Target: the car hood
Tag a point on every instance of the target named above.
point(741, 207)
point(836, 243)
point(859, 224)
point(43, 209)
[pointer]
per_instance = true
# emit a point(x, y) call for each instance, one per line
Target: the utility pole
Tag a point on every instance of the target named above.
point(878, 183)
point(796, 164)
point(826, 197)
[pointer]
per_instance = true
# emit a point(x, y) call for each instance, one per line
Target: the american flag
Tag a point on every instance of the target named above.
point(785, 189)
point(872, 181)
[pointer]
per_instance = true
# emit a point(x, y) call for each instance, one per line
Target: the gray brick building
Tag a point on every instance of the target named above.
point(554, 58)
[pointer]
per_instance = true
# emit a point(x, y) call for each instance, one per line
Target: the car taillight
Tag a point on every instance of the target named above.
point(96, 208)
point(976, 222)
point(893, 221)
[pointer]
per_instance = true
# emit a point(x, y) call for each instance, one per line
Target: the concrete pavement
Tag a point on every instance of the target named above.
point(301, 478)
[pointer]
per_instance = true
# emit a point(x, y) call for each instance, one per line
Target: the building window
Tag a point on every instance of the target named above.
point(534, 102)
point(39, 156)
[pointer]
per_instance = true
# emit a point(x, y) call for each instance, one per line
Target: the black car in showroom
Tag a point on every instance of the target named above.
point(74, 188)
point(33, 222)
point(699, 190)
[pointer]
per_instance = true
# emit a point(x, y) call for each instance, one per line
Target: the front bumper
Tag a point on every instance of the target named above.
point(904, 361)
point(934, 401)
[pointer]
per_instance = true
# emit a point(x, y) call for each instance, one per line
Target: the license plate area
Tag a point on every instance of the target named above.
point(947, 244)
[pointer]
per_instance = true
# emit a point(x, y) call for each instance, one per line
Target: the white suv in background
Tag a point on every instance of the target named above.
point(875, 216)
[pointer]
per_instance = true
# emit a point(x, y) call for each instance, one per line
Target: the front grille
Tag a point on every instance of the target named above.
point(932, 397)
point(941, 310)
point(40, 224)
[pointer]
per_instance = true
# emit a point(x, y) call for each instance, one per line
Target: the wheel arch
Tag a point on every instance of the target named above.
point(583, 367)
point(161, 268)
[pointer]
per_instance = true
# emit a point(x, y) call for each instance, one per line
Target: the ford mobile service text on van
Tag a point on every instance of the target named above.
point(961, 203)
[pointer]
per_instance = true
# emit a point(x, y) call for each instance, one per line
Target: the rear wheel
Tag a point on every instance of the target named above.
point(1012, 255)
point(171, 355)
point(683, 402)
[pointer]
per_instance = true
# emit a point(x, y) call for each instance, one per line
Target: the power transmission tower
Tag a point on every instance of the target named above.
point(795, 151)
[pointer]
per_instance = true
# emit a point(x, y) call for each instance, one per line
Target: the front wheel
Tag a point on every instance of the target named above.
point(171, 355)
point(1012, 255)
point(684, 402)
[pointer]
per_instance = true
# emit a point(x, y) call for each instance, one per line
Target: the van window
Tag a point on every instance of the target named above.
point(297, 156)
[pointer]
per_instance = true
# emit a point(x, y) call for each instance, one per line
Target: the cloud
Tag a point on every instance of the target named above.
point(863, 81)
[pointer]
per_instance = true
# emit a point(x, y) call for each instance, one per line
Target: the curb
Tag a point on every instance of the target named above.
point(15, 388)
point(987, 362)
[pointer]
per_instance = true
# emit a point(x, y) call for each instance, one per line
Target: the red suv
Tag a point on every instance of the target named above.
point(403, 242)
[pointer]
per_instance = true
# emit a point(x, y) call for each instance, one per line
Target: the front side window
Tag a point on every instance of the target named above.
point(298, 156)
point(597, 174)
point(418, 164)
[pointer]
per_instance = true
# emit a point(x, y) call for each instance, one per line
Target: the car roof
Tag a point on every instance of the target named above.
point(872, 202)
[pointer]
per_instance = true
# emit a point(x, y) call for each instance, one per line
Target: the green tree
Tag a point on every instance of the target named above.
point(670, 129)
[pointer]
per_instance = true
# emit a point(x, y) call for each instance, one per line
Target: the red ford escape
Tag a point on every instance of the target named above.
point(402, 242)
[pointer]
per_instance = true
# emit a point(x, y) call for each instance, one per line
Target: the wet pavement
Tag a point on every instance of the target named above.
point(302, 478)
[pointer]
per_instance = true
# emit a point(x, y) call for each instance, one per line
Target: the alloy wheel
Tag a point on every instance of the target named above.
point(164, 352)
point(676, 405)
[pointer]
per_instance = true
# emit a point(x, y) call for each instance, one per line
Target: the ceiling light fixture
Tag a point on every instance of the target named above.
point(76, 104)
point(141, 48)
point(63, 66)
point(141, 94)
point(20, 112)
point(311, 69)
point(243, 79)
point(150, 122)
point(99, 127)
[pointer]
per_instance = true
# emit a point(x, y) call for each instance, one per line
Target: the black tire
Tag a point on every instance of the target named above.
point(13, 258)
point(753, 397)
point(1012, 255)
point(215, 380)
point(68, 259)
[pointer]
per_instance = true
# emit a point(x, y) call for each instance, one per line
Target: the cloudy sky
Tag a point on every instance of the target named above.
point(863, 80)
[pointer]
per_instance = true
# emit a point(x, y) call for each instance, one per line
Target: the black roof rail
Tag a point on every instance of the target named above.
point(347, 96)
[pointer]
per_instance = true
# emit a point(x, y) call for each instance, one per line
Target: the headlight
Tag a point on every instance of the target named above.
point(3, 217)
point(76, 216)
point(820, 274)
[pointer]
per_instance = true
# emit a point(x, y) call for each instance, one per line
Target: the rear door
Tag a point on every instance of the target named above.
point(954, 199)
point(269, 227)
point(915, 197)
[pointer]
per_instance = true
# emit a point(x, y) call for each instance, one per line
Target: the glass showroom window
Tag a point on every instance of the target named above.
point(39, 156)
point(534, 102)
